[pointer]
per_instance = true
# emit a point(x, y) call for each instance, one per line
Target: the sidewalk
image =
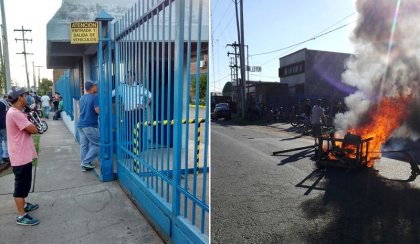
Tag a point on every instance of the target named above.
point(75, 206)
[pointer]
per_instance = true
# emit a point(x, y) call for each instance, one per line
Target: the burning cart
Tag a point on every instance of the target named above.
point(352, 151)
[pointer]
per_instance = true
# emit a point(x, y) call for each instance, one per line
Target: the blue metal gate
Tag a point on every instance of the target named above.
point(162, 125)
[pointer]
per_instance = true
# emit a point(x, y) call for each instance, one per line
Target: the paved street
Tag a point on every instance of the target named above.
point(259, 198)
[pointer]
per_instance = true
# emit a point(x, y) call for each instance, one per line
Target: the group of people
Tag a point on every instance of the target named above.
point(56, 103)
point(15, 126)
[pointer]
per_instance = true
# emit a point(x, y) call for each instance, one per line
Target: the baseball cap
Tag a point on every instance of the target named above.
point(15, 92)
point(89, 84)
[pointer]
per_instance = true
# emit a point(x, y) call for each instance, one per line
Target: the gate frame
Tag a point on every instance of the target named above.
point(105, 101)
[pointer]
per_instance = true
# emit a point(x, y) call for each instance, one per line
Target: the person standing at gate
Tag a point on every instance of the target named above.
point(45, 102)
point(88, 126)
point(317, 119)
point(135, 98)
point(21, 153)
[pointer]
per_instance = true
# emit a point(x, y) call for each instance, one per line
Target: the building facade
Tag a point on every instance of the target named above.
point(314, 74)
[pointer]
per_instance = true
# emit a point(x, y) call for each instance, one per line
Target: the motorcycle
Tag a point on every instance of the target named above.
point(298, 120)
point(34, 117)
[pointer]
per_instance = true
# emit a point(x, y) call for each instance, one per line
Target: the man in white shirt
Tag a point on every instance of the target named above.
point(45, 102)
point(134, 98)
point(317, 119)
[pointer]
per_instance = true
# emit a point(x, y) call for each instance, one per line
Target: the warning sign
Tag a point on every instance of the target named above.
point(84, 32)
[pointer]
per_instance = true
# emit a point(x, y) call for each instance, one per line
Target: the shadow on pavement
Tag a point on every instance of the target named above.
point(297, 156)
point(361, 207)
point(292, 138)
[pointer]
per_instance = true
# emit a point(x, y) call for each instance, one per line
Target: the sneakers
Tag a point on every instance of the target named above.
point(26, 220)
point(29, 207)
point(86, 167)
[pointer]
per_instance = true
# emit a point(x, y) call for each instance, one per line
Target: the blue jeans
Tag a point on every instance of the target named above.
point(4, 150)
point(46, 111)
point(89, 144)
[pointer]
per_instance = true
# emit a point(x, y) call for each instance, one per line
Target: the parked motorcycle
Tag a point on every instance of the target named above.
point(298, 120)
point(34, 117)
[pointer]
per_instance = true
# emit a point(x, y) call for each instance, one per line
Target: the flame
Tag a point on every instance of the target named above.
point(350, 151)
point(388, 115)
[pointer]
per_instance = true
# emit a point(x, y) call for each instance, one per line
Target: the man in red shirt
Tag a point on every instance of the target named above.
point(21, 153)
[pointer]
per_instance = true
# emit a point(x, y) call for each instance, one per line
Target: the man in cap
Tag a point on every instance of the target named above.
point(88, 126)
point(21, 153)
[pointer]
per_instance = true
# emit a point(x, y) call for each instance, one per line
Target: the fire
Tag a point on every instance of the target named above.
point(350, 151)
point(388, 115)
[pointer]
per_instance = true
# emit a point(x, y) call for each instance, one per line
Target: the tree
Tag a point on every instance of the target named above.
point(228, 89)
point(202, 88)
point(45, 86)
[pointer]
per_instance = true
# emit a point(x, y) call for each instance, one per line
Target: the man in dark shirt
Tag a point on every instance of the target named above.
point(308, 111)
point(4, 106)
point(88, 126)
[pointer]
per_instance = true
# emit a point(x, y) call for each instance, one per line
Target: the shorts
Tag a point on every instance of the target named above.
point(316, 130)
point(23, 180)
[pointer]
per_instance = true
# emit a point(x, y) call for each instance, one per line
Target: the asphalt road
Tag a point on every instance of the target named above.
point(259, 198)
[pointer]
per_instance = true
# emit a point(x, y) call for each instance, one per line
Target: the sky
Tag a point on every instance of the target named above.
point(271, 25)
point(32, 15)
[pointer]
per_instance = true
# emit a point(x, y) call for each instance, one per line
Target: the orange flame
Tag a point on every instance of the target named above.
point(388, 115)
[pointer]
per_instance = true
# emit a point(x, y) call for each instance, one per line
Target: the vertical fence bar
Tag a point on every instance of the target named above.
point(162, 102)
point(197, 103)
point(154, 104)
point(145, 111)
point(206, 155)
point(156, 99)
point(117, 90)
point(178, 86)
point(168, 108)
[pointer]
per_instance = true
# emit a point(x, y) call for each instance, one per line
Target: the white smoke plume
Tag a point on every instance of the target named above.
point(386, 61)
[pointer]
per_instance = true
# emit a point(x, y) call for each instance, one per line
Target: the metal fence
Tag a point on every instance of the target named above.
point(62, 87)
point(162, 137)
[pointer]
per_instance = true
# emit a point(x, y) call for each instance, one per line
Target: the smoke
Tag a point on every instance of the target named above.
point(386, 62)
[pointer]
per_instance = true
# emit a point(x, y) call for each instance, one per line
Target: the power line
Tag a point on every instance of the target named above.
point(24, 40)
point(265, 76)
point(223, 78)
point(297, 44)
point(227, 25)
point(341, 20)
point(221, 19)
point(215, 5)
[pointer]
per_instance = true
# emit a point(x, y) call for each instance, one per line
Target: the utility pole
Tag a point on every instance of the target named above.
point(33, 74)
point(235, 70)
point(39, 75)
point(241, 43)
point(24, 40)
point(242, 52)
point(2, 70)
point(5, 48)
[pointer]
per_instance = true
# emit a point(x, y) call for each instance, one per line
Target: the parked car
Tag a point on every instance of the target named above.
point(222, 111)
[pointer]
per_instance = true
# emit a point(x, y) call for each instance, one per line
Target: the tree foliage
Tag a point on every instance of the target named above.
point(202, 88)
point(45, 86)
